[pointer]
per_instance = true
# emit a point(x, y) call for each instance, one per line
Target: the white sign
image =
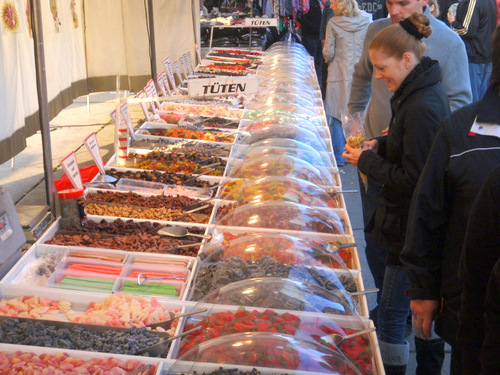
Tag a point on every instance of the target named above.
point(166, 85)
point(182, 62)
point(190, 60)
point(95, 152)
point(178, 71)
point(149, 92)
point(128, 120)
point(222, 86)
point(198, 51)
point(141, 95)
point(159, 79)
point(261, 22)
point(70, 166)
point(170, 72)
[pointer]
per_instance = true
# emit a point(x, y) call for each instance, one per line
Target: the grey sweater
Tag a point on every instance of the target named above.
point(444, 45)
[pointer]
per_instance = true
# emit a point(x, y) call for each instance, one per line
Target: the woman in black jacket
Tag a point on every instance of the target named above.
point(419, 104)
point(464, 151)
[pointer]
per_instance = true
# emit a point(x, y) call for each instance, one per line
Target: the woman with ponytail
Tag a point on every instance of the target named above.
point(396, 160)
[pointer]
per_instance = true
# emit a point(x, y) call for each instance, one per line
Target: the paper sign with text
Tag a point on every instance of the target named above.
point(128, 120)
point(141, 95)
point(169, 70)
point(70, 166)
point(261, 22)
point(198, 51)
point(190, 60)
point(95, 152)
point(177, 70)
point(222, 86)
point(166, 84)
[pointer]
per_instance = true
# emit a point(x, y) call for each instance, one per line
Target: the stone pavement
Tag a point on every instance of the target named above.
point(24, 176)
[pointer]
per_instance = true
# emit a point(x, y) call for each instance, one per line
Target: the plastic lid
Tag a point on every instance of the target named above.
point(273, 350)
point(70, 193)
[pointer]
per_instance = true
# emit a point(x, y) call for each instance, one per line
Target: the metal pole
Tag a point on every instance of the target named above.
point(152, 44)
point(43, 107)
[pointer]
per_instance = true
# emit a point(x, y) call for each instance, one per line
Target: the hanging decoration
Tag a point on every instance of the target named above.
point(28, 18)
point(74, 15)
point(10, 17)
point(55, 17)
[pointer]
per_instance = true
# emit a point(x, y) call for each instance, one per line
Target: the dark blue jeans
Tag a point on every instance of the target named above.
point(376, 255)
point(338, 139)
point(479, 79)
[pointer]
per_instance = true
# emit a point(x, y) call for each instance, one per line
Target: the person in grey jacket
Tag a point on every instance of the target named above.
point(344, 37)
point(372, 97)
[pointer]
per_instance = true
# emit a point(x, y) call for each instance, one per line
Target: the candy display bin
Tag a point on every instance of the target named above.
point(307, 327)
point(39, 354)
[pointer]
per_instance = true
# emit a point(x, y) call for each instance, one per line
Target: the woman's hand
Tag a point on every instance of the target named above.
point(451, 17)
point(385, 131)
point(424, 311)
point(351, 155)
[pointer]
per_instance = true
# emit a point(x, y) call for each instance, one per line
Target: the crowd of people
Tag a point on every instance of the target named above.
point(427, 84)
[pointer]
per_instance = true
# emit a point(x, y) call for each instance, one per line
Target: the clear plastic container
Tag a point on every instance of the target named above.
point(139, 186)
point(259, 132)
point(280, 247)
point(72, 206)
point(284, 216)
point(275, 350)
point(278, 188)
point(284, 294)
point(280, 165)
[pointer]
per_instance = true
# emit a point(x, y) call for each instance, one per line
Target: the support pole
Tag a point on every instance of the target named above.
point(43, 107)
point(152, 43)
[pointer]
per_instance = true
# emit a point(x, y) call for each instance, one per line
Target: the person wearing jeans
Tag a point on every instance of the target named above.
point(395, 161)
point(344, 37)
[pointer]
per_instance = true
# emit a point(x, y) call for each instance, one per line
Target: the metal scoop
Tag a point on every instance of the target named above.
point(179, 232)
point(198, 217)
point(361, 292)
point(336, 339)
point(197, 204)
point(167, 323)
point(159, 348)
point(143, 279)
point(191, 181)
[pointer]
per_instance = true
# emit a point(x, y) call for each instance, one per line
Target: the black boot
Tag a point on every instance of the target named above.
point(395, 370)
point(430, 356)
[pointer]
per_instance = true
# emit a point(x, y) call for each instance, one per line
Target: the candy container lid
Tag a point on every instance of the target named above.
point(282, 293)
point(285, 216)
point(303, 135)
point(271, 350)
point(284, 92)
point(280, 247)
point(280, 165)
point(281, 145)
point(276, 188)
point(282, 116)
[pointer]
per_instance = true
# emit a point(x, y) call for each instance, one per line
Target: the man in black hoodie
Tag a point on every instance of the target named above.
point(475, 22)
point(310, 23)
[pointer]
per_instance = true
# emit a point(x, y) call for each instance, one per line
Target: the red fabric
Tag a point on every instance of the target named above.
point(87, 173)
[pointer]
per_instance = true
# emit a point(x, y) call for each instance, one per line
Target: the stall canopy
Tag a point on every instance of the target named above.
point(87, 43)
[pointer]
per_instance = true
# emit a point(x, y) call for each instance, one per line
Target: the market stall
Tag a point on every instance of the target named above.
point(243, 224)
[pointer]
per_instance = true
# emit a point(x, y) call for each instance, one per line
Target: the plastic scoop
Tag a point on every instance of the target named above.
point(336, 339)
point(197, 204)
point(179, 232)
point(167, 323)
point(159, 348)
point(142, 278)
point(140, 369)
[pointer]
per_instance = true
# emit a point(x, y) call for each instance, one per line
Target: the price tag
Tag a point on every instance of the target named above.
point(190, 60)
point(177, 70)
point(70, 166)
point(159, 79)
point(170, 72)
point(150, 94)
point(128, 120)
point(166, 85)
point(182, 63)
point(95, 152)
point(198, 51)
point(141, 95)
